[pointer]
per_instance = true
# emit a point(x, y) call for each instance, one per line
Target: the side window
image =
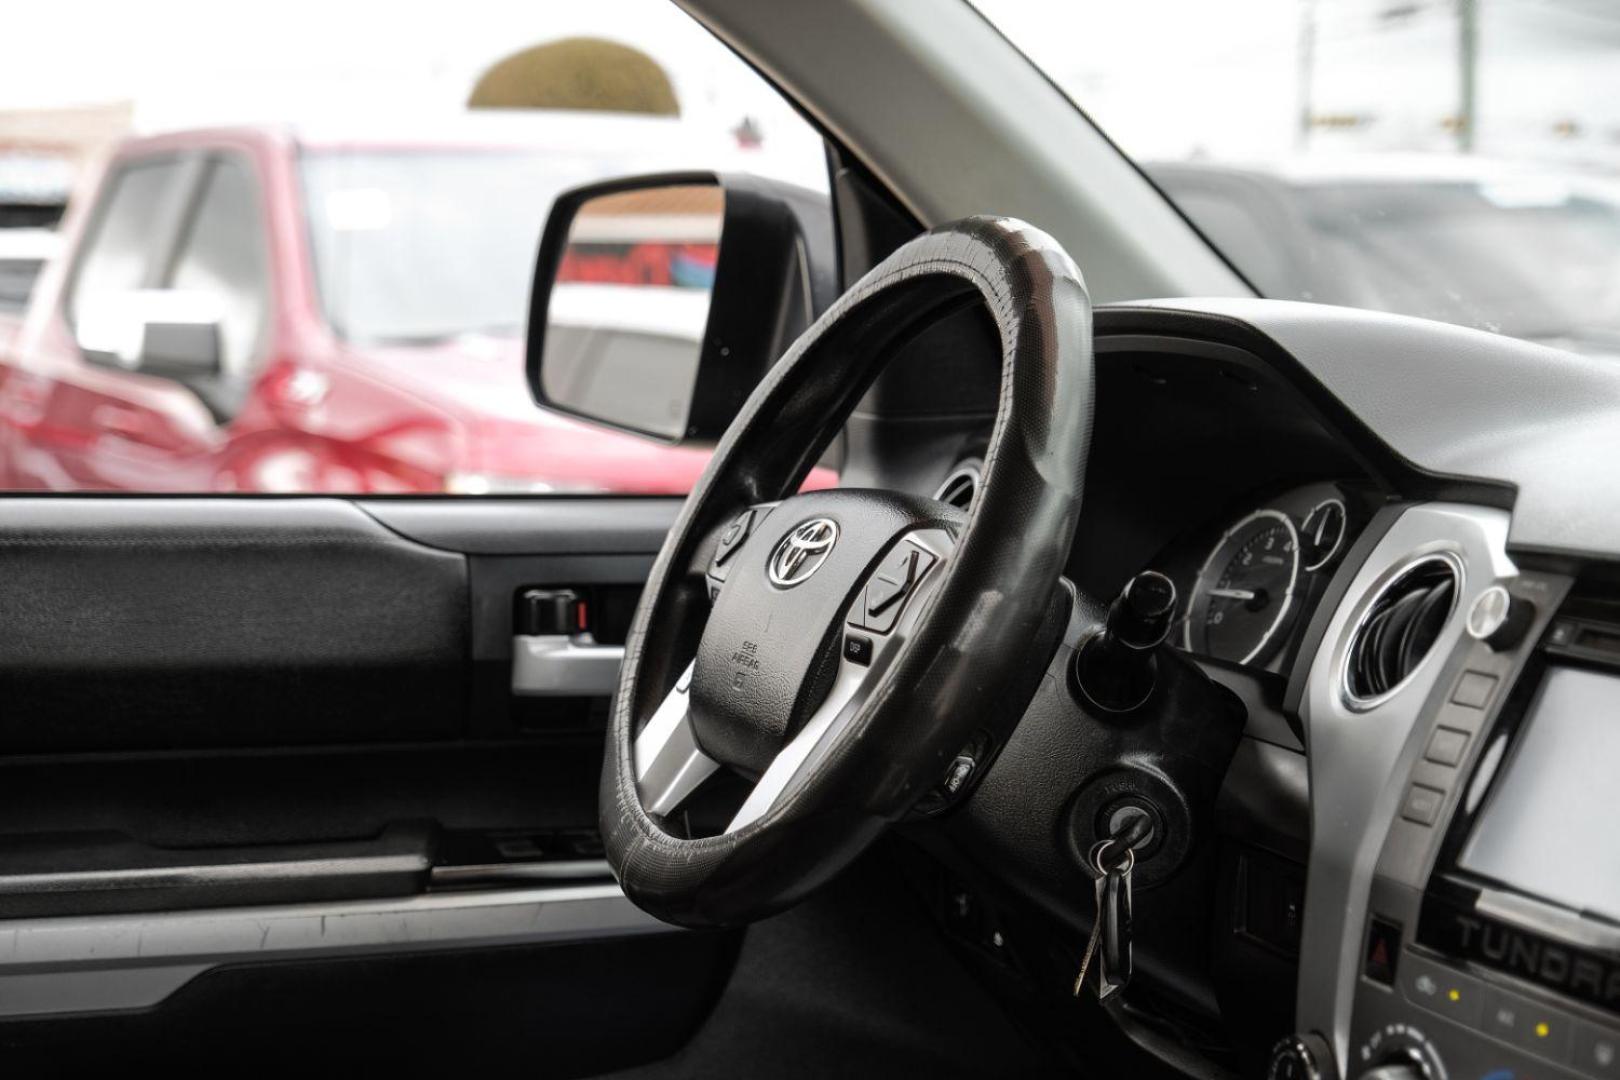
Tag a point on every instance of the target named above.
point(316, 277)
point(118, 254)
point(224, 256)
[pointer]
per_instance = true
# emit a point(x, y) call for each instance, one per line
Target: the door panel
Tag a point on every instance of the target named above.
point(254, 746)
point(155, 624)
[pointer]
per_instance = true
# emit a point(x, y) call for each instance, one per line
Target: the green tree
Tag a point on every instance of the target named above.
point(578, 73)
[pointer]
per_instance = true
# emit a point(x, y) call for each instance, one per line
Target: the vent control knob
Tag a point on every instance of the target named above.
point(1500, 619)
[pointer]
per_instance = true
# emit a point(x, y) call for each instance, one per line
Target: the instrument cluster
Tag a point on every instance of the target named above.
point(1250, 579)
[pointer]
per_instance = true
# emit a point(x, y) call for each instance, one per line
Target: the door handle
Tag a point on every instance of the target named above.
point(564, 665)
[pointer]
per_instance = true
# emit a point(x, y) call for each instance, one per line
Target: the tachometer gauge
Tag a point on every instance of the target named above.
point(1244, 596)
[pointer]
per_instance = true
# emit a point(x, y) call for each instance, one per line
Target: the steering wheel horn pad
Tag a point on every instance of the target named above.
point(762, 663)
point(838, 746)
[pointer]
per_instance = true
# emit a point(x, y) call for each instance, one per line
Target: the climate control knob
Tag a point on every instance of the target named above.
point(1396, 1071)
point(1302, 1057)
point(1399, 1052)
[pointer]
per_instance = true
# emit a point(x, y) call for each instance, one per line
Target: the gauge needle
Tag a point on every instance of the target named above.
point(1232, 594)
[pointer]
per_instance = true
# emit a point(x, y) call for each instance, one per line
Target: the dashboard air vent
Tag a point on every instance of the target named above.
point(961, 487)
point(1400, 628)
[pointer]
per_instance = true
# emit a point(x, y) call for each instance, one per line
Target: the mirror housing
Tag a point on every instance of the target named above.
point(168, 333)
point(774, 272)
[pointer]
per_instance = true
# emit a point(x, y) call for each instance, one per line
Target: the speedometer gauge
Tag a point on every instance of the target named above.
point(1244, 596)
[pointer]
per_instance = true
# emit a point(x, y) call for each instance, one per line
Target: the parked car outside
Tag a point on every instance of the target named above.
point(270, 310)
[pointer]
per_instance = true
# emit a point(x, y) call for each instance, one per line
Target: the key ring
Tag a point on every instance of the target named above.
point(1125, 865)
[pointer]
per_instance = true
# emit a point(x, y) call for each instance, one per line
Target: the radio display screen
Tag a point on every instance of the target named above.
point(1551, 827)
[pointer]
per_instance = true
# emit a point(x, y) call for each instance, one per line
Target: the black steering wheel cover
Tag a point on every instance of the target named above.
point(986, 612)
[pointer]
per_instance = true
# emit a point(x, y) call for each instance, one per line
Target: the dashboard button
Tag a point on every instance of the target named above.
point(1506, 1016)
point(1596, 1051)
point(1545, 1033)
point(1422, 804)
point(1474, 689)
point(1446, 746)
point(1439, 990)
point(858, 649)
point(1383, 951)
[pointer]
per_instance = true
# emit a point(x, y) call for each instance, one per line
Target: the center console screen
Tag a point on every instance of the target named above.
point(1551, 827)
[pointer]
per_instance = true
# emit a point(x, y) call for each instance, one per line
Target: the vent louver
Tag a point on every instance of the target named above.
point(1400, 628)
point(961, 487)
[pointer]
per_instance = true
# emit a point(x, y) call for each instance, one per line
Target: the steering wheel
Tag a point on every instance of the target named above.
point(839, 648)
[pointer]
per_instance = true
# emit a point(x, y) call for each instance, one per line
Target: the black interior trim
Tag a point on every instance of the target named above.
point(99, 872)
point(530, 525)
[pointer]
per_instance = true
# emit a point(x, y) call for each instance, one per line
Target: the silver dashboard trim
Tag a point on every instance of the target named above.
point(116, 962)
point(1359, 760)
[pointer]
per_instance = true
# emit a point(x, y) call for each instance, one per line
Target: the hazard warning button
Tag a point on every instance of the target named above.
point(1383, 951)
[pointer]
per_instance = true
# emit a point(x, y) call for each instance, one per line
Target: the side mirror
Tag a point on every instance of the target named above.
point(659, 302)
point(170, 333)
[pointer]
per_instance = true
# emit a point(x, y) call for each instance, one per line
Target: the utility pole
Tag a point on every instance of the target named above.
point(1305, 74)
point(1467, 73)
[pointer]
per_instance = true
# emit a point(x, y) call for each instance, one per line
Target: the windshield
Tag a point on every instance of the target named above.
point(1456, 161)
point(429, 245)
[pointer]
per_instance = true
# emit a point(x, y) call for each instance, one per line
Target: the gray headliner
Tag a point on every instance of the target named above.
point(1467, 403)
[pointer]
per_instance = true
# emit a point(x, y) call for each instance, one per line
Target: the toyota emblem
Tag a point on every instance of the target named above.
point(801, 552)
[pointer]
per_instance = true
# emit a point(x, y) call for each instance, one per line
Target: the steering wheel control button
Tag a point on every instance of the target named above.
point(1447, 746)
point(1499, 619)
point(892, 584)
point(1474, 689)
point(895, 578)
point(1422, 804)
point(733, 537)
point(858, 649)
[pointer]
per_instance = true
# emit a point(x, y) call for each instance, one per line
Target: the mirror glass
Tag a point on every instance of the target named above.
point(629, 306)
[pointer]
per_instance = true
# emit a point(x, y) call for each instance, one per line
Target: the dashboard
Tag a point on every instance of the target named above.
point(1324, 487)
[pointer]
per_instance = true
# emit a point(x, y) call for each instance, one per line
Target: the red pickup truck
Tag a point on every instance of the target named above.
point(263, 311)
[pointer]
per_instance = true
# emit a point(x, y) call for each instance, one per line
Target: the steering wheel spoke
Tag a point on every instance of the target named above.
point(669, 763)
